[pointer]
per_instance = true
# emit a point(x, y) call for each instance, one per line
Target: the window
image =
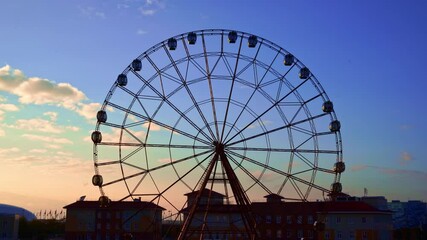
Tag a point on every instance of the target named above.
point(339, 235)
point(288, 234)
point(351, 220)
point(338, 219)
point(279, 233)
point(289, 219)
point(364, 235)
point(310, 219)
point(351, 234)
point(268, 219)
point(310, 234)
point(363, 219)
point(268, 233)
point(278, 219)
point(300, 234)
point(326, 235)
point(299, 219)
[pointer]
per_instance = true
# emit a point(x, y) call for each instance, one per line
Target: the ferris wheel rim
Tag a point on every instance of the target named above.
point(243, 35)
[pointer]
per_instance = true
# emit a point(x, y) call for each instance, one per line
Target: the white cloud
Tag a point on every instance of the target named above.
point(9, 150)
point(38, 150)
point(55, 140)
point(42, 125)
point(151, 7)
point(87, 110)
point(72, 128)
point(52, 115)
point(8, 107)
point(92, 12)
point(406, 157)
point(141, 32)
point(53, 146)
point(35, 90)
point(39, 125)
point(153, 126)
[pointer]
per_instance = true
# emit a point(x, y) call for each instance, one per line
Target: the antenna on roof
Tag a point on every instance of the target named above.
point(365, 192)
point(82, 198)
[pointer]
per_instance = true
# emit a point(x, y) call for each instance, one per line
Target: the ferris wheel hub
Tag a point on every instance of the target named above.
point(219, 147)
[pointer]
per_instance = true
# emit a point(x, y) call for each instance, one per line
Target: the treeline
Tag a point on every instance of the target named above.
point(41, 229)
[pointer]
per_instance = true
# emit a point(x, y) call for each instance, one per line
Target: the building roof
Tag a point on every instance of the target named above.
point(9, 209)
point(123, 205)
point(205, 192)
point(273, 196)
point(316, 207)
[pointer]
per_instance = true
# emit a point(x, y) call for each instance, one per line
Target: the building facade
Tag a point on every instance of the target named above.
point(88, 220)
point(341, 220)
point(9, 226)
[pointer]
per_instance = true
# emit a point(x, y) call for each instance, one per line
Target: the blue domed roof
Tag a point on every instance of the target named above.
point(9, 209)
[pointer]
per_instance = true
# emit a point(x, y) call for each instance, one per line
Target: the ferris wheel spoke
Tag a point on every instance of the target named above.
point(293, 150)
point(231, 88)
point(266, 111)
point(210, 88)
point(98, 164)
point(145, 171)
point(248, 173)
point(154, 145)
point(305, 160)
point(190, 94)
point(161, 124)
point(273, 130)
point(176, 109)
point(137, 185)
point(325, 170)
point(129, 155)
point(268, 167)
point(249, 100)
point(297, 189)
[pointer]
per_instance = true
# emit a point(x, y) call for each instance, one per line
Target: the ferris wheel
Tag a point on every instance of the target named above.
point(222, 110)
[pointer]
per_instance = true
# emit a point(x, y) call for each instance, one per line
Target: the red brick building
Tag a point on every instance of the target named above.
point(343, 220)
point(87, 220)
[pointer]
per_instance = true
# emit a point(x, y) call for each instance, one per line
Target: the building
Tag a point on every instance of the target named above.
point(9, 226)
point(89, 220)
point(409, 219)
point(9, 220)
point(213, 218)
point(342, 220)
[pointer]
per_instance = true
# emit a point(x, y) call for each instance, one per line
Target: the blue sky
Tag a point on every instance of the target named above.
point(58, 59)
